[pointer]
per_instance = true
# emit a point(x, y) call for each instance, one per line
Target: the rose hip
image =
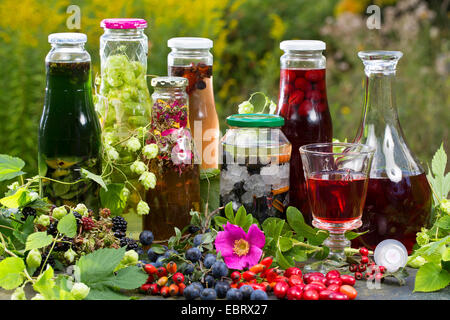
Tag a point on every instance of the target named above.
point(315, 278)
point(248, 275)
point(358, 275)
point(363, 251)
point(294, 293)
point(235, 276)
point(336, 281)
point(295, 280)
point(365, 259)
point(271, 275)
point(316, 286)
point(325, 294)
point(362, 267)
point(280, 289)
point(349, 291)
point(150, 269)
point(292, 271)
point(333, 274)
point(333, 287)
point(267, 261)
point(310, 295)
point(338, 296)
point(347, 279)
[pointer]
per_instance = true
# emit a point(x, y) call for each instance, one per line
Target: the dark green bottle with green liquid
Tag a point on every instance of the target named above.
point(69, 131)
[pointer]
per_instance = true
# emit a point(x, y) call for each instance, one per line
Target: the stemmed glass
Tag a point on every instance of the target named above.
point(337, 176)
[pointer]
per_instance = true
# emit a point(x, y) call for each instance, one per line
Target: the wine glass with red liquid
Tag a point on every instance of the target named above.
point(337, 176)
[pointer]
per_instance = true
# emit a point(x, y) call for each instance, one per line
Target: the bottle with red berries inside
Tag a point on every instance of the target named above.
point(399, 198)
point(303, 104)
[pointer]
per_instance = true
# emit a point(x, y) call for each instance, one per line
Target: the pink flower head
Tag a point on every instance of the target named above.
point(239, 249)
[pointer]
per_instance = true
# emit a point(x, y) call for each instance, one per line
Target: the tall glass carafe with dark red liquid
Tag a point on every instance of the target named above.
point(304, 106)
point(398, 199)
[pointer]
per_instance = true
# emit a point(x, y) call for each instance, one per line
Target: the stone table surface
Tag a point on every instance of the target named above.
point(387, 290)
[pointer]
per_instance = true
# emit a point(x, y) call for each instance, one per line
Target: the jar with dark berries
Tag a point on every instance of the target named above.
point(304, 106)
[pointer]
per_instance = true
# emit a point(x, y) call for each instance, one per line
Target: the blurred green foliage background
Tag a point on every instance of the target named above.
point(246, 36)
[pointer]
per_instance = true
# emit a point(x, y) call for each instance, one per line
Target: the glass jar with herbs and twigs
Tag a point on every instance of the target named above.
point(177, 189)
point(123, 103)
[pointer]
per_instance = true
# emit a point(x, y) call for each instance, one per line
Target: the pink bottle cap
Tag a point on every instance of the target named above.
point(123, 23)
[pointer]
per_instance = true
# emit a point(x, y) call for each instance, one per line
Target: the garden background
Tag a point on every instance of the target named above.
point(246, 36)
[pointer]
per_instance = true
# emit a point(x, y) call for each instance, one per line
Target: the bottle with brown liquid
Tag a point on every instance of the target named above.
point(398, 199)
point(190, 58)
point(177, 189)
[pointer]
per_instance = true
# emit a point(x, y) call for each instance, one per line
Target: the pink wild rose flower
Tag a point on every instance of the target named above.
point(240, 249)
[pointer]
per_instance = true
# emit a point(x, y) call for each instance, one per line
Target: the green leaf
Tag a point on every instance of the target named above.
point(350, 235)
point(89, 175)
point(220, 221)
point(11, 273)
point(68, 225)
point(229, 212)
point(444, 222)
point(439, 162)
point(210, 188)
point(285, 244)
point(14, 200)
point(297, 223)
point(99, 265)
point(240, 218)
point(113, 198)
point(431, 277)
point(127, 278)
point(38, 240)
point(45, 284)
point(446, 254)
point(105, 293)
point(10, 167)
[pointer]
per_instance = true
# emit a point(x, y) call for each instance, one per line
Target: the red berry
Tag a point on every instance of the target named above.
point(248, 275)
point(313, 95)
point(302, 84)
point(146, 287)
point(368, 276)
point(316, 286)
point(333, 274)
point(378, 277)
point(295, 279)
point(348, 279)
point(257, 268)
point(362, 267)
point(280, 289)
point(338, 296)
point(349, 291)
point(178, 278)
point(165, 292)
point(353, 268)
point(150, 278)
point(267, 261)
point(305, 108)
point(365, 259)
point(282, 279)
point(150, 269)
point(172, 267)
point(316, 278)
point(364, 251)
point(88, 223)
point(296, 97)
point(358, 275)
point(154, 289)
point(336, 281)
point(333, 287)
point(235, 276)
point(181, 287)
point(325, 294)
point(314, 75)
point(382, 269)
point(173, 290)
point(292, 271)
point(310, 295)
point(294, 293)
point(271, 275)
point(162, 272)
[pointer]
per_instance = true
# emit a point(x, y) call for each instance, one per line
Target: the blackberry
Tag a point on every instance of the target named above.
point(50, 261)
point(52, 229)
point(78, 218)
point(119, 224)
point(130, 244)
point(88, 223)
point(28, 211)
point(63, 246)
point(119, 234)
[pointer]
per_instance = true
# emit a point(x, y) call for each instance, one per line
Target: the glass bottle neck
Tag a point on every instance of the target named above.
point(124, 32)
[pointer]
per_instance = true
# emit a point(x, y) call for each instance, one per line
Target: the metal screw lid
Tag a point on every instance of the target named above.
point(169, 82)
